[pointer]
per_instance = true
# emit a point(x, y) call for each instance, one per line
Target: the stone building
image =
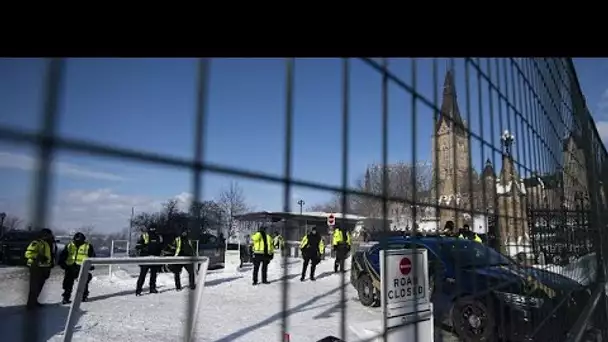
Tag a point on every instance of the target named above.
point(567, 188)
point(512, 206)
point(454, 181)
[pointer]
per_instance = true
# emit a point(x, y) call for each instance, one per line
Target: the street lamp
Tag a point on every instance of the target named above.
point(301, 204)
point(507, 139)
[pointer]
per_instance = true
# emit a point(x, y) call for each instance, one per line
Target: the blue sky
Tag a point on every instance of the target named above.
point(148, 104)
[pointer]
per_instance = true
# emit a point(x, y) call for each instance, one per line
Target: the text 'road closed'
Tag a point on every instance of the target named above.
point(405, 288)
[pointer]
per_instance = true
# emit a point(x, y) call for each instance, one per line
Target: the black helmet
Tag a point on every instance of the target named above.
point(45, 232)
point(79, 237)
point(184, 233)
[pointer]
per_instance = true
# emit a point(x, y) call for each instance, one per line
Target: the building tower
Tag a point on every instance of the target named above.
point(512, 207)
point(451, 165)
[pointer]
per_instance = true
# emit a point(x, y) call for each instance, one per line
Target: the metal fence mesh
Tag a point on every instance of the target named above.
point(517, 146)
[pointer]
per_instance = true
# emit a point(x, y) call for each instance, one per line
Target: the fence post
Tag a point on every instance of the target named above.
point(111, 256)
point(582, 119)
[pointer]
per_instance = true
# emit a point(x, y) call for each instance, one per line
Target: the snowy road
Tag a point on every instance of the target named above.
point(232, 310)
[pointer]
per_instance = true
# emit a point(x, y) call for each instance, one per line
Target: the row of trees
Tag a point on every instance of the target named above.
point(205, 216)
point(405, 180)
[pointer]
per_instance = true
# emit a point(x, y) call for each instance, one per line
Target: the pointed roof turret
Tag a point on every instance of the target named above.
point(488, 170)
point(449, 104)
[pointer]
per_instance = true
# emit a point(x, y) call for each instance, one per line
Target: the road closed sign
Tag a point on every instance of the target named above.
point(406, 276)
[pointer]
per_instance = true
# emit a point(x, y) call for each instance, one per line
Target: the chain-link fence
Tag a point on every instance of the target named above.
point(511, 211)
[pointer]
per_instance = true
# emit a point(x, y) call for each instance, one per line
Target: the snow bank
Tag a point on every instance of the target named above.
point(582, 270)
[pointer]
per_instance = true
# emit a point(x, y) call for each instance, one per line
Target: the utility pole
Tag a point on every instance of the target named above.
point(131, 225)
point(2, 218)
point(301, 204)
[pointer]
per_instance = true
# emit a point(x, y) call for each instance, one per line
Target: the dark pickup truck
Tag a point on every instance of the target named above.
point(13, 245)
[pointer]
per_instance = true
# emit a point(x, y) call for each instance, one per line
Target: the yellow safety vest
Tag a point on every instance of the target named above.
point(178, 245)
point(36, 248)
point(476, 238)
point(258, 244)
point(304, 242)
point(77, 255)
point(337, 237)
point(146, 237)
point(279, 241)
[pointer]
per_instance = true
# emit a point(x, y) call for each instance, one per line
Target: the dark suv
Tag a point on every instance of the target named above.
point(13, 245)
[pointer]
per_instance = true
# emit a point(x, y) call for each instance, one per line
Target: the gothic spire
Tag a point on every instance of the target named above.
point(449, 104)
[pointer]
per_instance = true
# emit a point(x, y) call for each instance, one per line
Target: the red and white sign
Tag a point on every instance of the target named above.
point(331, 220)
point(405, 274)
point(405, 266)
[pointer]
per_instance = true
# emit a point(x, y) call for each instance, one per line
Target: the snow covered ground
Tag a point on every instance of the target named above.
point(232, 309)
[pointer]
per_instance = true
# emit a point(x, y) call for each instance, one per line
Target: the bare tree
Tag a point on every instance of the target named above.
point(406, 182)
point(12, 223)
point(233, 202)
point(87, 230)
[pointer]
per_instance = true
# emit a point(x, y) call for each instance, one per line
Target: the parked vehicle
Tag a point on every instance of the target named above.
point(480, 292)
point(212, 247)
point(14, 243)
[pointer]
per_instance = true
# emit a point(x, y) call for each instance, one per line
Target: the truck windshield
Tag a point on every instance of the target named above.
point(473, 254)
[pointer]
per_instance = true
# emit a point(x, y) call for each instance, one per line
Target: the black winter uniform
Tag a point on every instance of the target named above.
point(148, 244)
point(311, 254)
point(182, 246)
point(72, 271)
point(40, 259)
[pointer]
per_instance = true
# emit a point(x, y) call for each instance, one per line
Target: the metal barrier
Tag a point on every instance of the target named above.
point(194, 297)
point(517, 149)
point(113, 253)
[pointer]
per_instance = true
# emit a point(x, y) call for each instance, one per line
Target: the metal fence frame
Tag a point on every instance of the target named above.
point(128, 244)
point(193, 300)
point(48, 142)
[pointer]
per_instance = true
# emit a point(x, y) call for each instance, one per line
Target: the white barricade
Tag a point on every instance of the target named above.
point(115, 254)
point(406, 304)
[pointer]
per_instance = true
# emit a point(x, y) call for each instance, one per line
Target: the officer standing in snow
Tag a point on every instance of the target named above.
point(341, 244)
point(466, 233)
point(40, 259)
point(149, 244)
point(311, 247)
point(278, 241)
point(70, 260)
point(263, 252)
point(182, 246)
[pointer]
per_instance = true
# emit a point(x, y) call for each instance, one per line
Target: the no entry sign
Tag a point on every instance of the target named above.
point(405, 266)
point(406, 278)
point(331, 220)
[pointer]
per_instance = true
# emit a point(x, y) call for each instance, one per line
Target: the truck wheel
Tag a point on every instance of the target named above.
point(472, 320)
point(366, 291)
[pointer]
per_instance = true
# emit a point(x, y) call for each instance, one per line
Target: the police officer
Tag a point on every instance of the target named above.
point(466, 233)
point(263, 252)
point(182, 246)
point(149, 244)
point(70, 260)
point(341, 244)
point(40, 259)
point(278, 241)
point(448, 229)
point(311, 247)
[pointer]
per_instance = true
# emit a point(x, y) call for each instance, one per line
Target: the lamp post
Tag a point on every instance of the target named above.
point(2, 218)
point(301, 204)
point(507, 139)
point(131, 225)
